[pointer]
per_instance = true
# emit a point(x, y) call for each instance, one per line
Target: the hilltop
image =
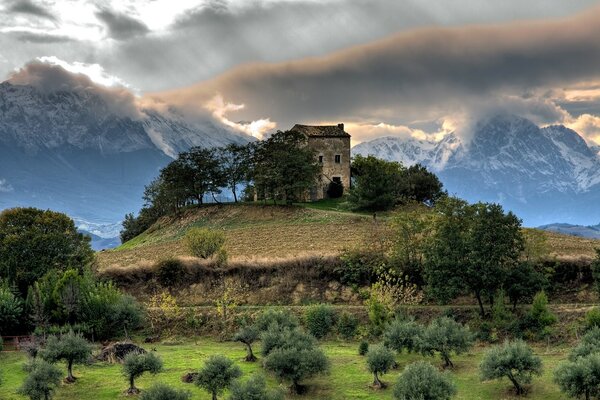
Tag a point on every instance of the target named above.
point(273, 231)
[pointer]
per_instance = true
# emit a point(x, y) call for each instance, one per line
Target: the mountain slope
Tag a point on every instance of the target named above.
point(543, 174)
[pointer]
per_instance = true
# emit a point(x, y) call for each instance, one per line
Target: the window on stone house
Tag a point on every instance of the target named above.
point(321, 159)
point(338, 158)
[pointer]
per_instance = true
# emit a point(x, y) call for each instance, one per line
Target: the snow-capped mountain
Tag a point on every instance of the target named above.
point(543, 174)
point(75, 151)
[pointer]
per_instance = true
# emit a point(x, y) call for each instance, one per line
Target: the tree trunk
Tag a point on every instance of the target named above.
point(234, 194)
point(250, 356)
point(214, 396)
point(481, 309)
point(70, 377)
point(214, 198)
point(376, 382)
point(516, 384)
point(448, 362)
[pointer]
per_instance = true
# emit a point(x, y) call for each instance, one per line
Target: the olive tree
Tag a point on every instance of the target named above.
point(446, 336)
point(135, 364)
point(160, 391)
point(41, 382)
point(420, 380)
point(280, 318)
point(247, 335)
point(580, 378)
point(590, 344)
point(513, 360)
point(380, 360)
point(217, 375)
point(70, 347)
point(255, 388)
point(403, 335)
point(293, 356)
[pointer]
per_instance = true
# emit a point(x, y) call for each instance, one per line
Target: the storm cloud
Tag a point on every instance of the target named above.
point(121, 26)
point(30, 8)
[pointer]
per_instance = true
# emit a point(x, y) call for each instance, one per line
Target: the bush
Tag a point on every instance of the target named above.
point(590, 344)
point(446, 336)
point(592, 318)
point(379, 361)
point(347, 325)
point(280, 318)
point(538, 320)
point(42, 381)
point(217, 375)
point(11, 309)
point(160, 391)
point(292, 356)
point(170, 272)
point(247, 335)
point(363, 348)
point(358, 267)
point(579, 378)
point(204, 243)
point(513, 360)
point(255, 388)
point(403, 335)
point(378, 316)
point(319, 320)
point(135, 364)
point(420, 380)
point(71, 347)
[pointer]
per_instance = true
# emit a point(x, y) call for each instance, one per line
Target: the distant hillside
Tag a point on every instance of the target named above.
point(278, 232)
point(591, 232)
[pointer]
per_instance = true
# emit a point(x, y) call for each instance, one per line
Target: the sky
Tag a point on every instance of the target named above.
point(402, 68)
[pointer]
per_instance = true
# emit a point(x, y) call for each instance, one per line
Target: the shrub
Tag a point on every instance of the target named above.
point(420, 380)
point(160, 391)
point(579, 378)
point(363, 348)
point(539, 318)
point(378, 316)
point(204, 243)
point(347, 325)
point(275, 338)
point(595, 267)
point(170, 272)
point(379, 361)
point(11, 308)
point(513, 360)
point(71, 347)
point(135, 364)
point(247, 335)
point(403, 335)
point(592, 318)
point(255, 388)
point(590, 344)
point(293, 357)
point(42, 381)
point(217, 375)
point(358, 267)
point(319, 320)
point(280, 318)
point(446, 336)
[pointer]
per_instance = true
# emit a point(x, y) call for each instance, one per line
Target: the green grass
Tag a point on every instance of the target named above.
point(348, 379)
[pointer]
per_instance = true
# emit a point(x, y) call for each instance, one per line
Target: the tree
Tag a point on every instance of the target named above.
point(41, 382)
point(580, 378)
point(204, 243)
point(403, 335)
point(281, 318)
point(472, 249)
point(160, 391)
point(379, 361)
point(217, 375)
point(292, 356)
point(513, 360)
point(589, 344)
point(33, 242)
point(235, 161)
point(255, 388)
point(446, 336)
point(421, 185)
point(376, 183)
point(135, 364)
point(523, 282)
point(420, 380)
point(70, 295)
point(596, 270)
point(204, 168)
point(247, 335)
point(284, 167)
point(70, 347)
point(539, 319)
point(11, 309)
point(319, 320)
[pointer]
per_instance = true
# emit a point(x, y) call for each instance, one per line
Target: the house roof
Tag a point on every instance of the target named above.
point(321, 130)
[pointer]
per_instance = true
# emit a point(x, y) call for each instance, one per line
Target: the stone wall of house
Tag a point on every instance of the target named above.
point(328, 148)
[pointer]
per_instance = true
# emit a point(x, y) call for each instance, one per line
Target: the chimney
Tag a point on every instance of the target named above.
point(341, 126)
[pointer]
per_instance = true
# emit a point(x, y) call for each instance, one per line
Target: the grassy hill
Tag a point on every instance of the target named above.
point(270, 231)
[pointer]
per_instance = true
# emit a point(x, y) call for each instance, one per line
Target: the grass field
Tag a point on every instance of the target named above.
point(348, 379)
point(257, 231)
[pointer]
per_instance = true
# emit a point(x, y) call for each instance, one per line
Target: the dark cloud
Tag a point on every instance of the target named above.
point(417, 75)
point(51, 78)
point(30, 37)
point(121, 26)
point(30, 8)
